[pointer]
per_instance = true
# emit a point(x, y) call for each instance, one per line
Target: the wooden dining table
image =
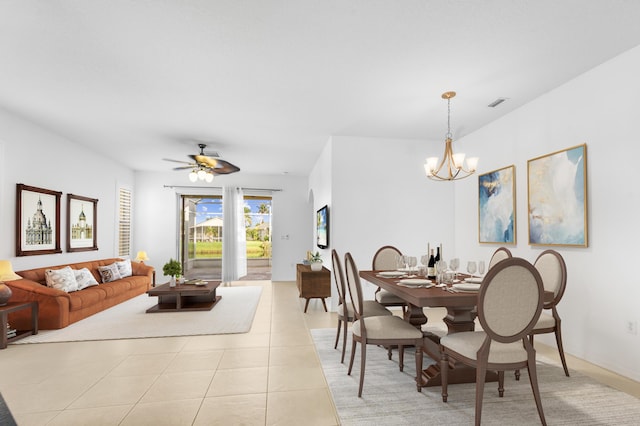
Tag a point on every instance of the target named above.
point(461, 314)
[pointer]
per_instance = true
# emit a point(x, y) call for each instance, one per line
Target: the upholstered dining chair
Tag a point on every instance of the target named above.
point(345, 308)
point(553, 271)
point(509, 305)
point(501, 253)
point(386, 259)
point(378, 330)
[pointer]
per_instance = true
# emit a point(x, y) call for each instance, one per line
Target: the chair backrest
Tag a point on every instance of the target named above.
point(500, 254)
point(553, 271)
point(386, 259)
point(354, 286)
point(338, 277)
point(510, 300)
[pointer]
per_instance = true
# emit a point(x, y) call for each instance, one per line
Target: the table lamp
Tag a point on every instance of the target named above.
point(141, 256)
point(6, 274)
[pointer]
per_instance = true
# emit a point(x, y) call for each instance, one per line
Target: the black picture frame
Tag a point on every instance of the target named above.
point(322, 227)
point(82, 223)
point(37, 221)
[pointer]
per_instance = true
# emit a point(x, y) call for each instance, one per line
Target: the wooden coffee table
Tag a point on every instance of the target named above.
point(185, 297)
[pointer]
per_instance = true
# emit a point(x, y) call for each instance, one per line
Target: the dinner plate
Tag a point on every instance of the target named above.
point(415, 281)
point(467, 286)
point(414, 269)
point(391, 274)
point(474, 280)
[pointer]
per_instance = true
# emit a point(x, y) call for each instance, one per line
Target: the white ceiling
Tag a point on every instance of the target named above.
point(267, 82)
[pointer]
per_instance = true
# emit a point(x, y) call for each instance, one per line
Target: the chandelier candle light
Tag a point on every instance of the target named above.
point(454, 163)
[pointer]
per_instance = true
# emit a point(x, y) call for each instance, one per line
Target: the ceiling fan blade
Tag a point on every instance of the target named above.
point(177, 161)
point(185, 167)
point(206, 161)
point(224, 168)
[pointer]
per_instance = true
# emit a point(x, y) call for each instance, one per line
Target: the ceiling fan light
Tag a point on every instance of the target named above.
point(201, 174)
point(193, 176)
point(209, 177)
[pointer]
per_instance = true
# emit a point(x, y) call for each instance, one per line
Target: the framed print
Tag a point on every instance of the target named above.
point(82, 223)
point(497, 206)
point(557, 188)
point(37, 221)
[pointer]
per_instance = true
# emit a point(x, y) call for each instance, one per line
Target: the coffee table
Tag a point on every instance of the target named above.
point(185, 297)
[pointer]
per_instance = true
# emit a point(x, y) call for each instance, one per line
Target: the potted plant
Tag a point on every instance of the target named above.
point(315, 262)
point(172, 268)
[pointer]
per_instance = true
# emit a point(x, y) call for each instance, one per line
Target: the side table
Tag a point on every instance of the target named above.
point(4, 319)
point(313, 284)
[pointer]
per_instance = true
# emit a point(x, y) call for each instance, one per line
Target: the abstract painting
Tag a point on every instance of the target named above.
point(496, 206)
point(558, 198)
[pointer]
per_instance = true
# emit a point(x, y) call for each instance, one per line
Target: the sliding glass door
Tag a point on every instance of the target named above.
point(202, 231)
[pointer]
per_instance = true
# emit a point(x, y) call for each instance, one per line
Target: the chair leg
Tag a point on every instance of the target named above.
point(335, 346)
point(419, 359)
point(444, 375)
point(517, 374)
point(353, 354)
point(560, 349)
point(401, 357)
point(481, 372)
point(501, 383)
point(363, 360)
point(389, 351)
point(533, 379)
point(344, 342)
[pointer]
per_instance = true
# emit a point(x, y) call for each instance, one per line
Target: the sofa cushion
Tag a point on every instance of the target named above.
point(84, 278)
point(88, 297)
point(109, 273)
point(124, 267)
point(62, 279)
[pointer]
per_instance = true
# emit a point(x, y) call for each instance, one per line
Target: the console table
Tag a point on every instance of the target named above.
point(313, 284)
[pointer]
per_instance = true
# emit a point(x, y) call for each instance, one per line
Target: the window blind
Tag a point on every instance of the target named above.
point(124, 222)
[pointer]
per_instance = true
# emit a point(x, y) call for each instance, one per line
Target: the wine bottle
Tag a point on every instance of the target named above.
point(437, 254)
point(431, 266)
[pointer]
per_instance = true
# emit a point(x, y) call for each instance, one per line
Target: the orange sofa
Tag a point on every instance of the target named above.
point(58, 309)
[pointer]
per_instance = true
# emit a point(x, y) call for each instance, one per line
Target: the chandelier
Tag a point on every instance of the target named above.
point(452, 165)
point(201, 173)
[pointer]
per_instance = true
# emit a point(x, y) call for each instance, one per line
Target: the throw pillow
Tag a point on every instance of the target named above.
point(84, 278)
point(62, 279)
point(109, 273)
point(124, 267)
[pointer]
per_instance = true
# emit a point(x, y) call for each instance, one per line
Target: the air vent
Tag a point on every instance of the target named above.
point(496, 102)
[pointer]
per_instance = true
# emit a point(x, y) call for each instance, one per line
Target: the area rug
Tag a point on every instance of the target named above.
point(389, 396)
point(128, 320)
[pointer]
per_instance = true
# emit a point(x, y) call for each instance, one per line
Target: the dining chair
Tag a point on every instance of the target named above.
point(510, 301)
point(379, 330)
point(345, 308)
point(501, 253)
point(386, 259)
point(553, 271)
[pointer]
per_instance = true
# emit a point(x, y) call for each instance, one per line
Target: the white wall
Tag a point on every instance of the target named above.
point(379, 195)
point(156, 215)
point(37, 157)
point(599, 108)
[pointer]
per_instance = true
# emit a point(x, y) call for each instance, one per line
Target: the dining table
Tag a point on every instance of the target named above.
point(461, 315)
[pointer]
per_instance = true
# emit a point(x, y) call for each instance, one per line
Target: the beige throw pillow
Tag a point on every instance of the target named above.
point(84, 278)
point(109, 273)
point(62, 279)
point(124, 268)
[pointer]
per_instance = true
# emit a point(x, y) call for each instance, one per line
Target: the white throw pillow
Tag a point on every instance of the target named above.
point(109, 273)
point(124, 268)
point(84, 278)
point(62, 279)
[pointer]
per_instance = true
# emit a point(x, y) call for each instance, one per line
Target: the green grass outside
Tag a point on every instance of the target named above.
point(213, 250)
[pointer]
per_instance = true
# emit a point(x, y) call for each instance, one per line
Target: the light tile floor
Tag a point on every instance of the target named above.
point(268, 376)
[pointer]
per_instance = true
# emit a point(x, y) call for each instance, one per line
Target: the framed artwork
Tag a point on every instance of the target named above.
point(37, 221)
point(557, 189)
point(497, 206)
point(82, 223)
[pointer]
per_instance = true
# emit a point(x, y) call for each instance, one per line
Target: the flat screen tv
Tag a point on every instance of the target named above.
point(322, 227)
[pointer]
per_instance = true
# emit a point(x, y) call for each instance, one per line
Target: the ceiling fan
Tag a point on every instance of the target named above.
point(204, 164)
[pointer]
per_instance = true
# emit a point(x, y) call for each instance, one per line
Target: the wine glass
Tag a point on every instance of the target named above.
point(471, 267)
point(455, 264)
point(441, 267)
point(481, 267)
point(413, 261)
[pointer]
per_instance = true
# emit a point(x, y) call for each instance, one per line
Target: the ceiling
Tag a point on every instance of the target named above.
point(267, 82)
